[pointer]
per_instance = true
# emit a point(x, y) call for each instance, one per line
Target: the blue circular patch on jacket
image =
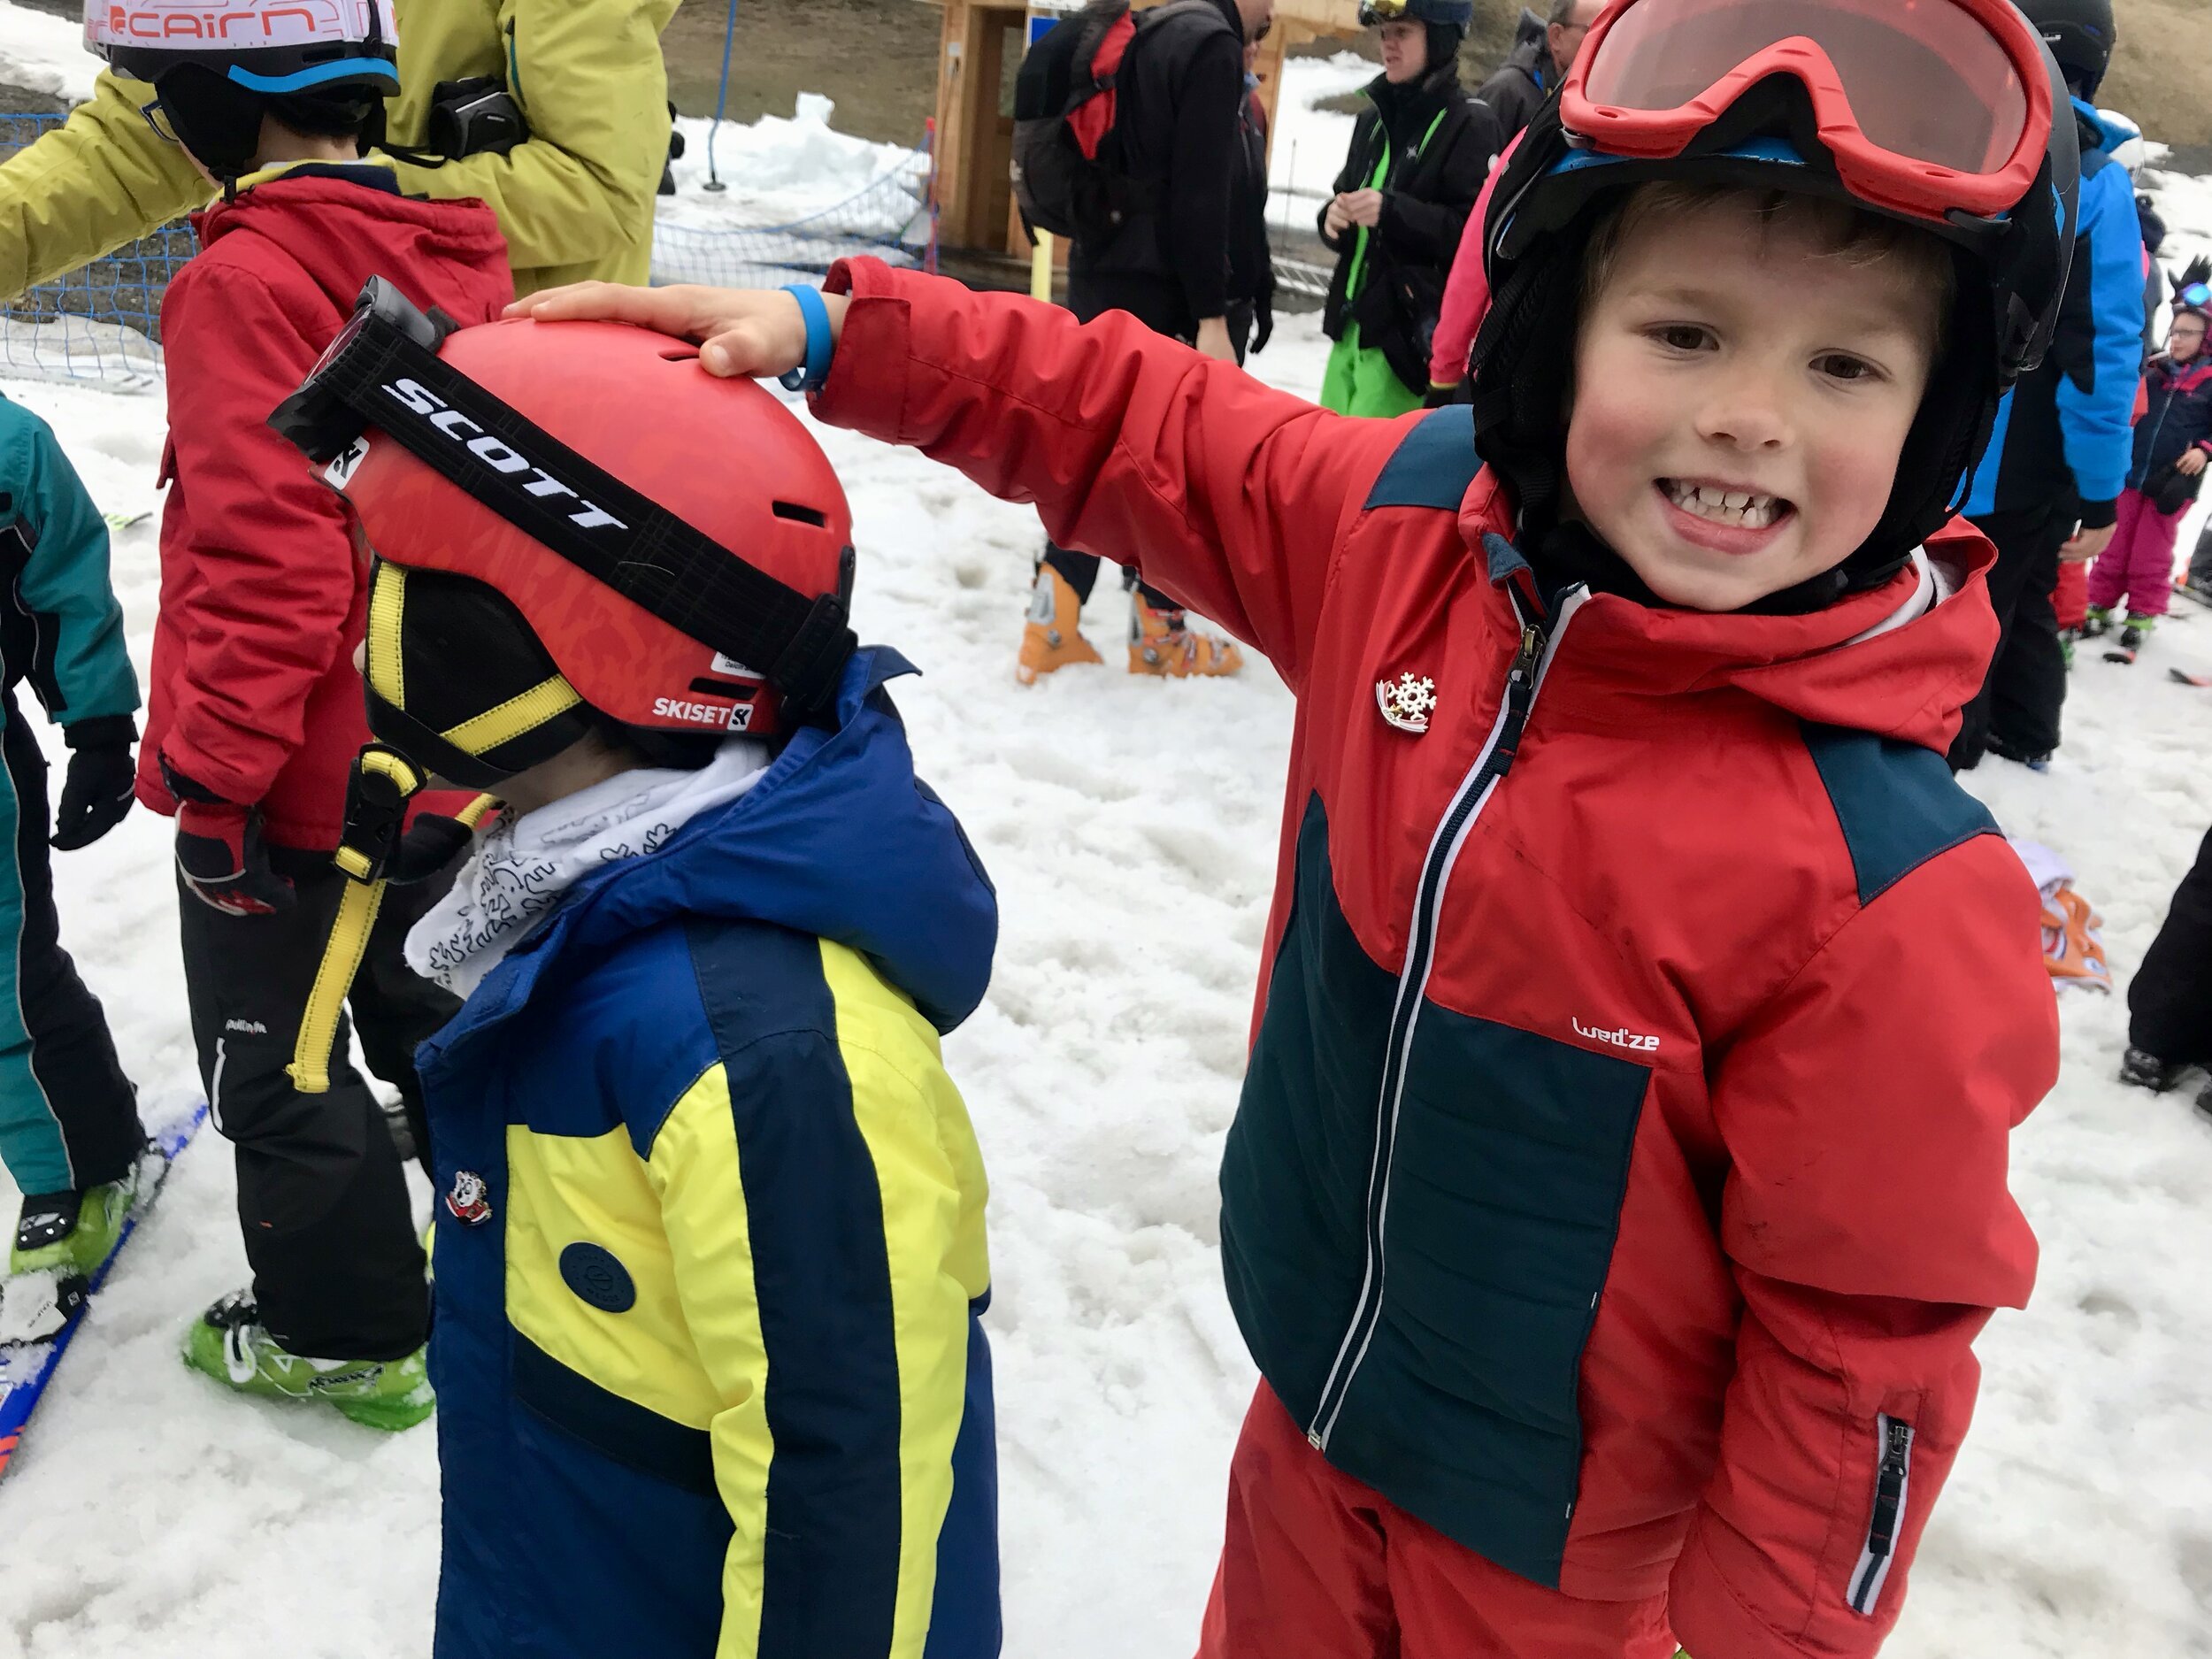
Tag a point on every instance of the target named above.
point(594, 1273)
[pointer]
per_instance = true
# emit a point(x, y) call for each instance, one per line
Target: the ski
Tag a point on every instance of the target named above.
point(41, 1313)
point(2188, 678)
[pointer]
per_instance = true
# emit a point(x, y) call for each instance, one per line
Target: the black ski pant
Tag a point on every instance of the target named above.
point(68, 1118)
point(2019, 703)
point(2201, 562)
point(1158, 305)
point(322, 1196)
point(2170, 1001)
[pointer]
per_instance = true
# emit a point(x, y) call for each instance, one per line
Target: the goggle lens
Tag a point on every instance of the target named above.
point(1926, 79)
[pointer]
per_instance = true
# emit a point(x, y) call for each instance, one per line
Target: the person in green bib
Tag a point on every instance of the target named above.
point(1419, 155)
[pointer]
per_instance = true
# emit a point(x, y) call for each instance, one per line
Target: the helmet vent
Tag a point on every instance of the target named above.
point(804, 515)
point(678, 352)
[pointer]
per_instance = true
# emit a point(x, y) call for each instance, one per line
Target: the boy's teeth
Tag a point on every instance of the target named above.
point(1723, 506)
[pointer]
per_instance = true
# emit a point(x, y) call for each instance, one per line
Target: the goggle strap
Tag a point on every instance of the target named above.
point(546, 490)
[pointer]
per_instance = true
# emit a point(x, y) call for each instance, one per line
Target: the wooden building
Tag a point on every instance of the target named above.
point(978, 55)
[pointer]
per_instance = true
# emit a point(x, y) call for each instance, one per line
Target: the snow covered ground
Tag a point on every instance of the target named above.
point(45, 52)
point(1131, 826)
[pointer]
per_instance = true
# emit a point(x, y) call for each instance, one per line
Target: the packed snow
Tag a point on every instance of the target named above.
point(1131, 826)
point(1310, 144)
point(44, 53)
point(778, 169)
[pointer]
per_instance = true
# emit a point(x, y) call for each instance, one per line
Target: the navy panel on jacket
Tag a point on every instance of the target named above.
point(1295, 1172)
point(1506, 1183)
point(1897, 804)
point(1510, 1162)
point(815, 1214)
point(1434, 465)
point(965, 1621)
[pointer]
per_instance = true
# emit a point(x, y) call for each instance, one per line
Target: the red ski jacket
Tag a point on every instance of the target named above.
point(1619, 1180)
point(263, 595)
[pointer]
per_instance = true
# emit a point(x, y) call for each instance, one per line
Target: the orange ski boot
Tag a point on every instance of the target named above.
point(1162, 642)
point(1053, 636)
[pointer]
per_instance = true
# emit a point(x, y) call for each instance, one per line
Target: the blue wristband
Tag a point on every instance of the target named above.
point(809, 376)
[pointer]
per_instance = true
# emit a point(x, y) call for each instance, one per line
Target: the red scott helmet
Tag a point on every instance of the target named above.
point(569, 517)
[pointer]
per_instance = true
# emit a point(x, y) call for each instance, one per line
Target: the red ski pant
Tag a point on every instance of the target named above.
point(1318, 1566)
point(2140, 561)
point(2070, 598)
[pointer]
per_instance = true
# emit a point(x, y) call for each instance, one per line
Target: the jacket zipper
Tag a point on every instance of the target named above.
point(1892, 1481)
point(1522, 682)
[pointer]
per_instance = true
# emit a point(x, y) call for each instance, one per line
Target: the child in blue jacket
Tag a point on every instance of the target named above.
point(69, 1129)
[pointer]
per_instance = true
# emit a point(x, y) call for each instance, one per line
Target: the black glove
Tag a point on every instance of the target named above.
point(1439, 396)
point(220, 852)
point(1264, 319)
point(432, 843)
point(97, 793)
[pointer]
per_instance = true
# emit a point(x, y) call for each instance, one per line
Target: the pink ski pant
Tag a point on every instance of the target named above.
point(2139, 562)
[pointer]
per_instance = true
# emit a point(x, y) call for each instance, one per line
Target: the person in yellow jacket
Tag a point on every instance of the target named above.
point(711, 1262)
point(574, 198)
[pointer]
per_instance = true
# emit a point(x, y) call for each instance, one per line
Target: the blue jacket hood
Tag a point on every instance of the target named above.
point(2108, 136)
point(839, 839)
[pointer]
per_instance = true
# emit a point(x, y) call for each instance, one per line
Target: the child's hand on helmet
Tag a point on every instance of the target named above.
point(759, 332)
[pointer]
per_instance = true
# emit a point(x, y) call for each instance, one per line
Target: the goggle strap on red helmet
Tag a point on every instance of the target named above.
point(380, 373)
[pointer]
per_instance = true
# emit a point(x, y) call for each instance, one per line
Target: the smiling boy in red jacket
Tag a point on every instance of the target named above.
point(1619, 1181)
point(257, 710)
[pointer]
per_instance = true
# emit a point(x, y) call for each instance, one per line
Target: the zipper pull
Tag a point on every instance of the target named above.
point(1897, 1448)
point(1531, 648)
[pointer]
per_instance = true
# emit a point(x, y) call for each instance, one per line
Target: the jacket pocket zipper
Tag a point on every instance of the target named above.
point(1488, 771)
point(1893, 1483)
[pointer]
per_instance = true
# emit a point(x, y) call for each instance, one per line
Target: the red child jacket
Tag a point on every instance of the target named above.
point(1619, 1180)
point(264, 596)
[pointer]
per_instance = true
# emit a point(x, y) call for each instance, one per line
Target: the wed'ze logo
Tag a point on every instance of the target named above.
point(496, 454)
point(1622, 1037)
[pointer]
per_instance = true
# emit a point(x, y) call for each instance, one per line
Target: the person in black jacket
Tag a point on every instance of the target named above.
point(1543, 50)
point(1176, 151)
point(1418, 159)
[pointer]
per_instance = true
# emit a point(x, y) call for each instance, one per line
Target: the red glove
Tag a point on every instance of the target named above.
point(220, 852)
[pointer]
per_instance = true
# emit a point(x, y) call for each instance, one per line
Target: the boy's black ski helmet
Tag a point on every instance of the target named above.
point(1783, 121)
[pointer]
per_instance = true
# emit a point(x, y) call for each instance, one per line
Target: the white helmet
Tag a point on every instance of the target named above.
point(266, 46)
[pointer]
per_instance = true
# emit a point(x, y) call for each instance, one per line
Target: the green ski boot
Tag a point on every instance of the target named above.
point(73, 1232)
point(228, 1343)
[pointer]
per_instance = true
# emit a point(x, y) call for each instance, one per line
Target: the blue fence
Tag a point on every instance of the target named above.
point(101, 325)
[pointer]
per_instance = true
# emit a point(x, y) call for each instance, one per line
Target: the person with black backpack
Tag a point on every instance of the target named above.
point(1419, 155)
point(1126, 140)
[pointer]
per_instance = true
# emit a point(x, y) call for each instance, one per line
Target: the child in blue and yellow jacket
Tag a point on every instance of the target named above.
point(711, 1261)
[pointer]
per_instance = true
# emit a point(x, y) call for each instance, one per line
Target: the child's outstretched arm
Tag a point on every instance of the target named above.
point(1226, 494)
point(1866, 1113)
